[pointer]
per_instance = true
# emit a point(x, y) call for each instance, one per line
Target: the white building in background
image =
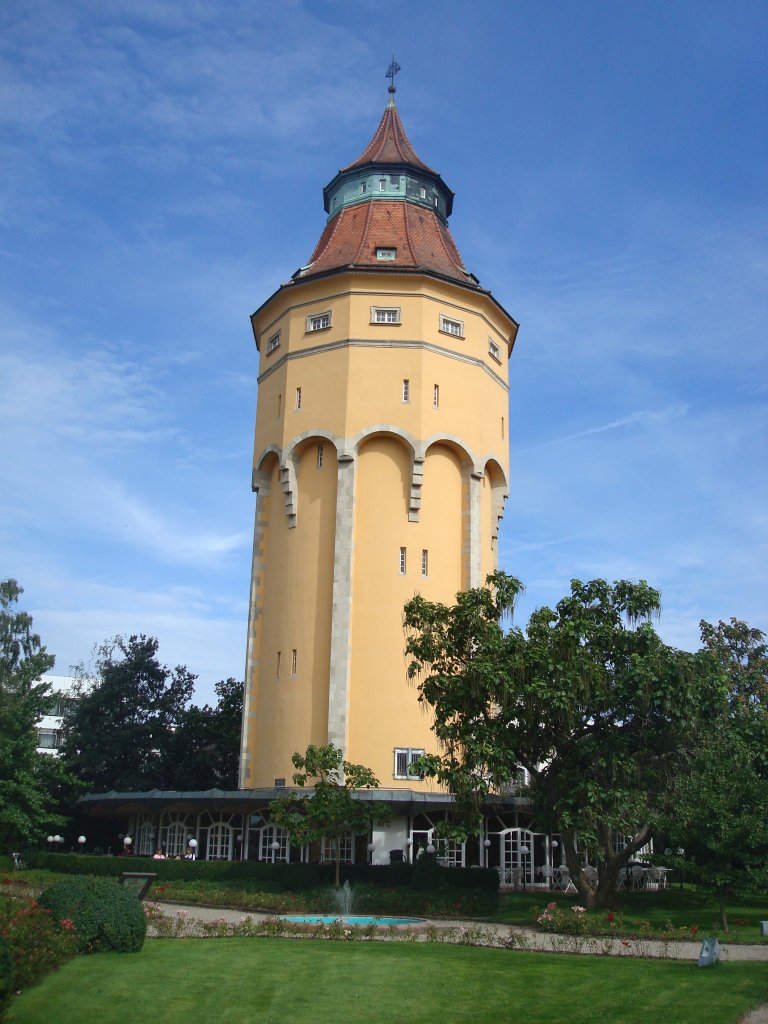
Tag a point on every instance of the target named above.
point(49, 726)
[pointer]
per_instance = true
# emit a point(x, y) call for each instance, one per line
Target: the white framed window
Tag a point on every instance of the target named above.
point(320, 453)
point(450, 326)
point(318, 321)
point(298, 398)
point(403, 561)
point(346, 849)
point(385, 314)
point(422, 192)
point(386, 252)
point(273, 343)
point(404, 758)
point(406, 390)
point(436, 396)
point(382, 184)
point(48, 739)
point(493, 350)
point(294, 661)
point(424, 562)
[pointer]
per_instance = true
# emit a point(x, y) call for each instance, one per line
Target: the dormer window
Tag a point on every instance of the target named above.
point(382, 184)
point(385, 253)
point(363, 186)
point(422, 193)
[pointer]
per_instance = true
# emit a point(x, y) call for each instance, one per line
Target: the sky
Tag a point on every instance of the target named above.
point(161, 173)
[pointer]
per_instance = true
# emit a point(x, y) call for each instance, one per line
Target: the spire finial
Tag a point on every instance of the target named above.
point(392, 70)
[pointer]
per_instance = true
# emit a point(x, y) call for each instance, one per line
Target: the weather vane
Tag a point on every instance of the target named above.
point(392, 70)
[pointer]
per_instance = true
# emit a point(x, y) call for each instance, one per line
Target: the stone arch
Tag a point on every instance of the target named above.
point(500, 492)
point(416, 454)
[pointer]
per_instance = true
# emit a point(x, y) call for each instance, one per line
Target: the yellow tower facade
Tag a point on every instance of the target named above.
point(380, 466)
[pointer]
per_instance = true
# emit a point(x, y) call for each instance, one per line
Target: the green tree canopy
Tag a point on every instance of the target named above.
point(589, 700)
point(25, 775)
point(119, 728)
point(718, 809)
point(204, 750)
point(331, 811)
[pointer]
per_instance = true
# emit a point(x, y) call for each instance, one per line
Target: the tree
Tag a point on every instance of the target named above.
point(332, 811)
point(25, 775)
point(589, 700)
point(204, 750)
point(718, 810)
point(118, 729)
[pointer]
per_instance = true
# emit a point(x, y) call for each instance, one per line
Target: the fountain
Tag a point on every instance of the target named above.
point(344, 898)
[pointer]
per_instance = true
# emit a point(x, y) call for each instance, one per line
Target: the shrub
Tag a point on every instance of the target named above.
point(6, 969)
point(37, 942)
point(105, 915)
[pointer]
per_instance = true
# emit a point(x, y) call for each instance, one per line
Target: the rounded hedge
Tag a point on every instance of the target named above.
point(105, 914)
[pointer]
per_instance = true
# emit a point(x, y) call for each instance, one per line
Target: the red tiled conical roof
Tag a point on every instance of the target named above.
point(421, 240)
point(390, 144)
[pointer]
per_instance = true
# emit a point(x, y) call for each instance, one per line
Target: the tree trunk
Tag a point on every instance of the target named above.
point(584, 887)
point(721, 894)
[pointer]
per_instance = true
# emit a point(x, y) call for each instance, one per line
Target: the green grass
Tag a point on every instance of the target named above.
point(261, 981)
point(684, 908)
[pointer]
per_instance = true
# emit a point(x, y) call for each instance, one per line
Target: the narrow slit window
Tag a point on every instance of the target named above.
point(403, 561)
point(436, 396)
point(279, 404)
point(279, 659)
point(424, 562)
point(320, 453)
point(298, 398)
point(502, 426)
point(406, 390)
point(294, 661)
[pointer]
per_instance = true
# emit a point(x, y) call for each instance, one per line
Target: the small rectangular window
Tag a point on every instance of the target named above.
point(273, 343)
point(450, 326)
point(385, 314)
point(424, 562)
point(363, 186)
point(294, 661)
point(320, 456)
point(395, 183)
point(279, 660)
point(404, 758)
point(382, 184)
point(298, 398)
point(493, 350)
point(403, 561)
point(406, 390)
point(386, 252)
point(422, 192)
point(318, 321)
point(436, 396)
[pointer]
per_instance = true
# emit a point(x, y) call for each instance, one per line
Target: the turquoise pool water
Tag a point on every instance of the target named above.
point(352, 920)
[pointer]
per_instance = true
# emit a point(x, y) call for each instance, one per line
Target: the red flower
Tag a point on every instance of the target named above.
point(610, 919)
point(624, 942)
point(694, 929)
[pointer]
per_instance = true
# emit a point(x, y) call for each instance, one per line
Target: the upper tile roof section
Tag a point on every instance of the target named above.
point(421, 240)
point(390, 144)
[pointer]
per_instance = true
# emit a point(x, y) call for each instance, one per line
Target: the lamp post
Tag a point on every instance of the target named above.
point(81, 843)
point(127, 845)
point(50, 840)
point(524, 853)
point(681, 854)
point(409, 844)
point(239, 841)
point(59, 841)
point(486, 848)
point(371, 848)
point(192, 844)
point(274, 846)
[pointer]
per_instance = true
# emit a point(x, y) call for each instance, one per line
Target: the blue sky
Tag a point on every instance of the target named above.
point(161, 168)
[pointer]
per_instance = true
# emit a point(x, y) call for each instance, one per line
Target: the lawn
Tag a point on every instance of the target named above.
point(271, 981)
point(684, 908)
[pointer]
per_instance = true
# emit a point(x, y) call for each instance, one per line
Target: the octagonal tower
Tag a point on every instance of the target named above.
point(380, 465)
